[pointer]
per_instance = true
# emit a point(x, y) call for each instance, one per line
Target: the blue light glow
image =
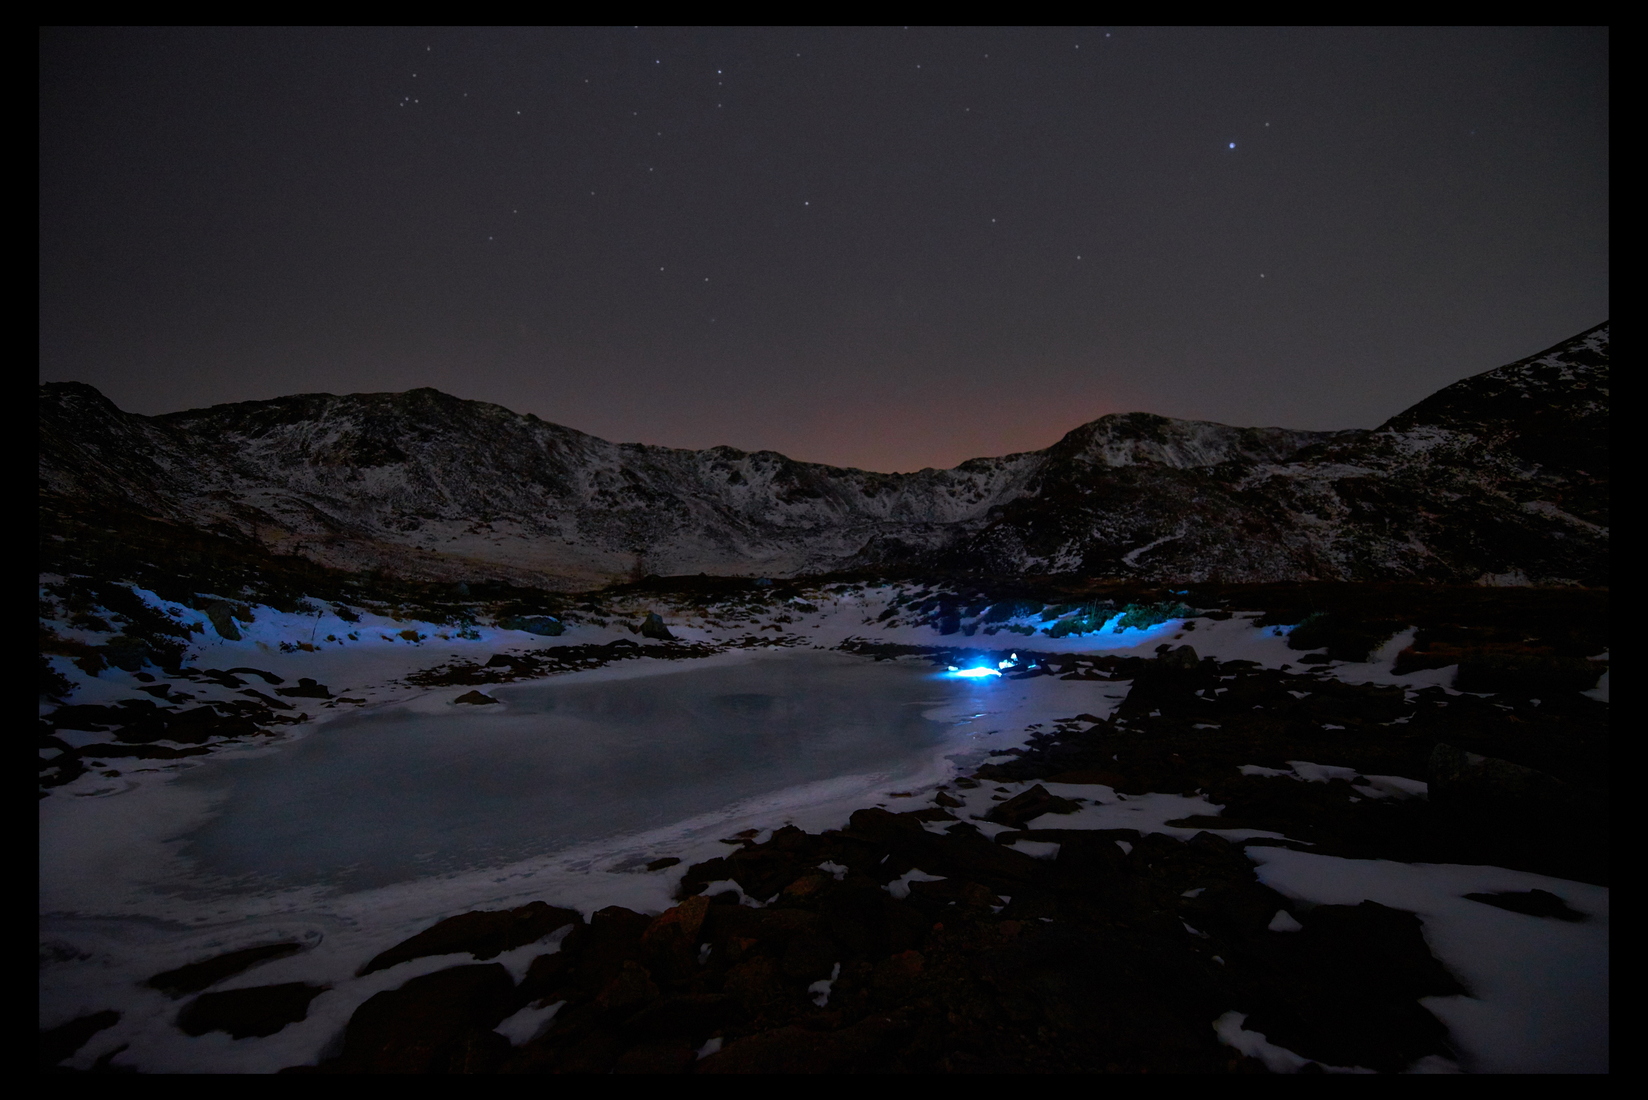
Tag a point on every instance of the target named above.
point(975, 673)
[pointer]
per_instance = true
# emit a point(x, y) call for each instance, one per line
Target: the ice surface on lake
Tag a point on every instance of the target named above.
point(396, 794)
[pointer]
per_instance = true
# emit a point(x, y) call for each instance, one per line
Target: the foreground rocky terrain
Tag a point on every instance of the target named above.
point(1005, 920)
point(1498, 478)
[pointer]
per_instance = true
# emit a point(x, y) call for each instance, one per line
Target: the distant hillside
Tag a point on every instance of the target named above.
point(1499, 478)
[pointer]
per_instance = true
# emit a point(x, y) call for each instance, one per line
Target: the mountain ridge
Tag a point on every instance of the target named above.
point(1500, 477)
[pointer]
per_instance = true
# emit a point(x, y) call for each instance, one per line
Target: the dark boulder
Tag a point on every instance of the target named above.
point(670, 942)
point(62, 1041)
point(691, 1018)
point(223, 614)
point(197, 976)
point(484, 934)
point(1533, 903)
point(653, 627)
point(1021, 809)
point(439, 1023)
point(961, 855)
point(590, 958)
point(306, 689)
point(245, 1013)
point(1532, 674)
point(798, 1050)
point(1485, 787)
point(1345, 989)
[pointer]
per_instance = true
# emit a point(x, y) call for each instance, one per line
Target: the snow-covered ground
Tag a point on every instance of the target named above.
point(115, 911)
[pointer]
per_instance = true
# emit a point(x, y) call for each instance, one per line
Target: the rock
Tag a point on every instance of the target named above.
point(808, 957)
point(691, 1018)
point(197, 976)
point(753, 983)
point(1533, 903)
point(669, 1056)
point(807, 886)
point(653, 627)
point(629, 990)
point(671, 940)
point(1344, 638)
point(475, 698)
point(895, 974)
point(1091, 861)
point(61, 1042)
point(954, 856)
point(546, 978)
point(1345, 989)
point(268, 677)
point(542, 625)
point(244, 1013)
point(762, 871)
point(1019, 810)
point(1207, 821)
point(484, 934)
point(1109, 997)
point(223, 614)
point(660, 864)
point(587, 1050)
point(139, 752)
point(1090, 777)
point(1183, 659)
point(438, 1023)
point(1467, 784)
point(596, 953)
point(1533, 674)
point(948, 891)
point(306, 689)
point(797, 1050)
point(1242, 909)
point(128, 653)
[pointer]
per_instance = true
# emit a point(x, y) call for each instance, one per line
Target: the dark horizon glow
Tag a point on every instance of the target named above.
point(879, 247)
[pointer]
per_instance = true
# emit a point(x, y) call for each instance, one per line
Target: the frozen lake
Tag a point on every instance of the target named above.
point(401, 793)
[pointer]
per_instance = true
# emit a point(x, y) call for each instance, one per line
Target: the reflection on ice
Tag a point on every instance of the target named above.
point(393, 795)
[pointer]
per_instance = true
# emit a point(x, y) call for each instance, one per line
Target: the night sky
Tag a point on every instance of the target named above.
point(883, 248)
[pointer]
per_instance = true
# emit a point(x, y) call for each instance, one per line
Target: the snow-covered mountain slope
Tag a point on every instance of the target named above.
point(1500, 477)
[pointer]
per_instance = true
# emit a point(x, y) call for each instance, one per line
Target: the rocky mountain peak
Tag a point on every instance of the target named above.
point(1568, 382)
point(1503, 474)
point(1145, 439)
